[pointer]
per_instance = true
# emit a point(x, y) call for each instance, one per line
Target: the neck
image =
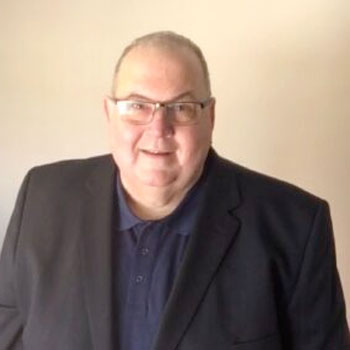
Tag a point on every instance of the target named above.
point(153, 210)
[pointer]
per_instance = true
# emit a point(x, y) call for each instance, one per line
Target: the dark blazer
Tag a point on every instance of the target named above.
point(259, 272)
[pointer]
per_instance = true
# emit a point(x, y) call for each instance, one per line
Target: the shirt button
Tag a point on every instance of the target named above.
point(144, 251)
point(139, 279)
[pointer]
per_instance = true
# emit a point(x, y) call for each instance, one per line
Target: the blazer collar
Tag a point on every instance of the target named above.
point(96, 251)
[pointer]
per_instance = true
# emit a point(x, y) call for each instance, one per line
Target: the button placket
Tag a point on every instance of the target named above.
point(142, 266)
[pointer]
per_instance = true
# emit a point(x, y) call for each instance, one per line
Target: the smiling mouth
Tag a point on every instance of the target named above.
point(156, 153)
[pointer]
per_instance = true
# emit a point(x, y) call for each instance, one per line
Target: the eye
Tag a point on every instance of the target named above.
point(183, 108)
point(137, 106)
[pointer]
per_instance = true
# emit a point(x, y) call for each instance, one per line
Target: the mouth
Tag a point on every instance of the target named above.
point(156, 153)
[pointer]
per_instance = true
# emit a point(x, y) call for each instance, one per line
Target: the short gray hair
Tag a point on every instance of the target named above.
point(165, 39)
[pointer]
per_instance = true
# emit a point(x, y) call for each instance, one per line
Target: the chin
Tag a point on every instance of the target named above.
point(158, 179)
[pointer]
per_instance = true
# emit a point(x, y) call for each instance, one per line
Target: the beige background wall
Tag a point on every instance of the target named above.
point(280, 73)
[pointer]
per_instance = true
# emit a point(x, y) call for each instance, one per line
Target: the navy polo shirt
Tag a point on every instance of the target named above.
point(147, 256)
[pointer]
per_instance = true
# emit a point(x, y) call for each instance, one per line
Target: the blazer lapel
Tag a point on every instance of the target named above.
point(96, 216)
point(207, 247)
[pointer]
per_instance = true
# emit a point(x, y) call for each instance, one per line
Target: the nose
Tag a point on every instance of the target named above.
point(161, 125)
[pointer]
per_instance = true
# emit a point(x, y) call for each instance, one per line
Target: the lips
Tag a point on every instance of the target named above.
point(156, 152)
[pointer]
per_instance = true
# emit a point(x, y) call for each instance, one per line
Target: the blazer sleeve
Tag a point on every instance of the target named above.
point(11, 322)
point(316, 309)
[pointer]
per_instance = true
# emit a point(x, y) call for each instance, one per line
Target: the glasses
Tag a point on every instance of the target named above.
point(142, 112)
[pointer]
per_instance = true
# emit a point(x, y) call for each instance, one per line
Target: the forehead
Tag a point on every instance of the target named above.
point(160, 73)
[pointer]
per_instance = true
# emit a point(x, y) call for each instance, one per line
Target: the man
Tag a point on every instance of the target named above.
point(166, 245)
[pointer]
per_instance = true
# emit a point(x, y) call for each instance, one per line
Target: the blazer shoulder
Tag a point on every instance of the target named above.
point(263, 189)
point(74, 164)
point(70, 172)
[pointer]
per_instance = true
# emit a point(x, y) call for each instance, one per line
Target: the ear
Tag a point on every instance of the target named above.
point(212, 112)
point(106, 107)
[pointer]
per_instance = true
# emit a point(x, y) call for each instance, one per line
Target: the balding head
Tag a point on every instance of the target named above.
point(167, 41)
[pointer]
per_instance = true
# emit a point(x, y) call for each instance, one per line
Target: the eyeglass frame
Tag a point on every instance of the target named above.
point(157, 104)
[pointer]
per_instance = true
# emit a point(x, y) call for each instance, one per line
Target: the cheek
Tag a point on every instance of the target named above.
point(123, 139)
point(194, 145)
point(122, 134)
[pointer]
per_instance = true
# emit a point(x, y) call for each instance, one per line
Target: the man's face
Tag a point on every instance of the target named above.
point(160, 154)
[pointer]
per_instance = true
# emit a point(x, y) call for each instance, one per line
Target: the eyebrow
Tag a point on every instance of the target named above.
point(145, 98)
